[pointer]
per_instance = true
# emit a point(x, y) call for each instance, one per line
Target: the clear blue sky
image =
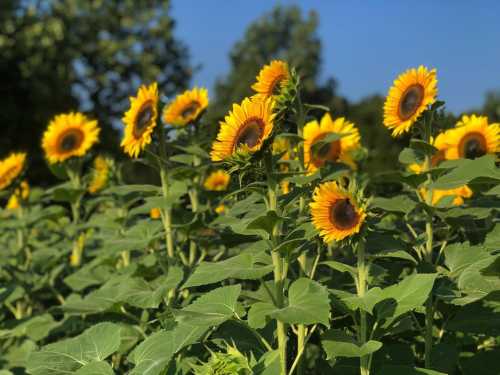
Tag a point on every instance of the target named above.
point(366, 44)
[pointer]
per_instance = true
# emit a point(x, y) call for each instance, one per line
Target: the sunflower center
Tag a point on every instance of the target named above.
point(250, 134)
point(410, 101)
point(190, 109)
point(143, 119)
point(326, 152)
point(472, 146)
point(71, 140)
point(343, 215)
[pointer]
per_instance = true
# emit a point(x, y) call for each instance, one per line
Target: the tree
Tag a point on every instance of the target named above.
point(80, 55)
point(283, 34)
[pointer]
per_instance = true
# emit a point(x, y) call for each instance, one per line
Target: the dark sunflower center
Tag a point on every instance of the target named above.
point(343, 215)
point(326, 152)
point(250, 134)
point(143, 119)
point(190, 109)
point(410, 101)
point(472, 146)
point(71, 140)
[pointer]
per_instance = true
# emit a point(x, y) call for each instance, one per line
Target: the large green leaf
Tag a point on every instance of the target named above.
point(308, 303)
point(248, 265)
point(95, 368)
point(406, 370)
point(339, 344)
point(67, 356)
point(478, 170)
point(212, 308)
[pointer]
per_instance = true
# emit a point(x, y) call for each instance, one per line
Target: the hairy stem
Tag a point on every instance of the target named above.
point(166, 211)
point(361, 284)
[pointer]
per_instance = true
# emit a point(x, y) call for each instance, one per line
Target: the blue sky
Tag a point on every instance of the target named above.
point(366, 44)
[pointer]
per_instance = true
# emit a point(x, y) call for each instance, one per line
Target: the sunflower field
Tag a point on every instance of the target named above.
point(267, 248)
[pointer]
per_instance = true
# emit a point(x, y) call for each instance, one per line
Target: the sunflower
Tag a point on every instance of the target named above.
point(458, 193)
point(155, 213)
point(140, 120)
point(244, 129)
point(10, 168)
point(473, 137)
point(186, 108)
point(220, 209)
point(412, 92)
point(217, 181)
point(20, 194)
point(100, 175)
point(271, 79)
point(282, 146)
point(68, 135)
point(335, 214)
point(338, 150)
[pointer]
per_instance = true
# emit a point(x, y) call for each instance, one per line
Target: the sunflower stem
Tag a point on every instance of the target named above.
point(278, 263)
point(166, 211)
point(361, 284)
point(193, 196)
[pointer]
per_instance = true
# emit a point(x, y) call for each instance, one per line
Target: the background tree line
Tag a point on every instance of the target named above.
point(91, 56)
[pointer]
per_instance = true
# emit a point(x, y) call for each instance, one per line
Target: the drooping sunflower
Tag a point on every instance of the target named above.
point(217, 181)
point(20, 194)
point(473, 137)
point(10, 168)
point(338, 150)
point(69, 135)
point(244, 129)
point(140, 120)
point(100, 174)
point(271, 79)
point(458, 195)
point(335, 213)
point(412, 92)
point(186, 108)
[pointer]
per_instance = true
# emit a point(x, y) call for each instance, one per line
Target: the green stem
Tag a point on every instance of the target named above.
point(167, 211)
point(429, 308)
point(278, 268)
point(361, 284)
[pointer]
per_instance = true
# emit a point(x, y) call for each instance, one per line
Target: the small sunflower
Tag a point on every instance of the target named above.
point(271, 79)
point(20, 194)
point(155, 213)
point(244, 129)
point(10, 168)
point(140, 120)
point(473, 137)
point(220, 209)
point(458, 193)
point(335, 213)
point(217, 181)
point(100, 174)
point(186, 108)
point(282, 146)
point(338, 150)
point(69, 135)
point(412, 92)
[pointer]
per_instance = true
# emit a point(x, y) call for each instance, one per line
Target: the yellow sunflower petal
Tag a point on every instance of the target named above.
point(246, 128)
point(140, 120)
point(473, 137)
point(411, 94)
point(271, 79)
point(186, 108)
point(11, 168)
point(69, 135)
point(217, 181)
point(335, 214)
point(339, 150)
point(100, 174)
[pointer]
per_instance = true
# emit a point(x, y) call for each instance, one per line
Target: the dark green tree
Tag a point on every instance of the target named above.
point(80, 55)
point(284, 33)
